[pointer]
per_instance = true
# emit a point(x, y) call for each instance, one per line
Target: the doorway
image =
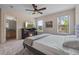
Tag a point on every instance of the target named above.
point(10, 28)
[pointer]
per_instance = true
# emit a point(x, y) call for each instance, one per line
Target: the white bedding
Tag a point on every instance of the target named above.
point(29, 40)
point(53, 44)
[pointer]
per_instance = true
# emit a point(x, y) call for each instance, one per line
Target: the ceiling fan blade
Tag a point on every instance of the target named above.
point(34, 6)
point(41, 9)
point(29, 10)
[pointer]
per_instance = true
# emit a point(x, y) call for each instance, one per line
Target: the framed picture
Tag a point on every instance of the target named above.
point(49, 24)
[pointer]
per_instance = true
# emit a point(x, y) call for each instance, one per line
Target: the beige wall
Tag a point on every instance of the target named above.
point(77, 15)
point(77, 20)
point(0, 24)
point(20, 19)
point(53, 17)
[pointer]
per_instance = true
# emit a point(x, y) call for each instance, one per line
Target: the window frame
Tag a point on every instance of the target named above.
point(68, 25)
point(38, 27)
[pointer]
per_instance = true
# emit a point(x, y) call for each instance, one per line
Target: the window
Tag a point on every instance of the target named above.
point(63, 24)
point(40, 26)
point(26, 24)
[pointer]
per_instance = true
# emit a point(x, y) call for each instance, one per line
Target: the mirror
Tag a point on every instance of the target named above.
point(28, 25)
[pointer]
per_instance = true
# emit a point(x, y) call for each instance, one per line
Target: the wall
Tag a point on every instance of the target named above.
point(0, 24)
point(77, 21)
point(20, 19)
point(53, 17)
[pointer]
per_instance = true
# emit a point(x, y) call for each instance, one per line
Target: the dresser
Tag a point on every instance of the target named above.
point(28, 32)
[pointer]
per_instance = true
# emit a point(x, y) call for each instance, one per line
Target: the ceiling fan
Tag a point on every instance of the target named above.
point(35, 10)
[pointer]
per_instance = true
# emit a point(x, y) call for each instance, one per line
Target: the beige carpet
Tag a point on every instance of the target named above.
point(11, 47)
point(25, 52)
point(14, 47)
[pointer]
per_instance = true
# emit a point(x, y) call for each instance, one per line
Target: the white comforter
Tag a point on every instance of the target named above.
point(29, 40)
point(53, 44)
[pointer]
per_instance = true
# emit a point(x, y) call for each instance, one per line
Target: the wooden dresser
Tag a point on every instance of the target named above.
point(28, 32)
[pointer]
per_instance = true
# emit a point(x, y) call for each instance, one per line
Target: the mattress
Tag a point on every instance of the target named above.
point(53, 45)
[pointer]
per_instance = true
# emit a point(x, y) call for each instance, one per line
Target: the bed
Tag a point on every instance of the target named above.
point(49, 44)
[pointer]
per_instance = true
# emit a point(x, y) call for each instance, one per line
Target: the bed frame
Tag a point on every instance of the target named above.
point(35, 51)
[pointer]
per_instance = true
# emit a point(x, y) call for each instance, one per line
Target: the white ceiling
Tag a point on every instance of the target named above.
point(50, 8)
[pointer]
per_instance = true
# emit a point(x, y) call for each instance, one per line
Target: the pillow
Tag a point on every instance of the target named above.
point(71, 44)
